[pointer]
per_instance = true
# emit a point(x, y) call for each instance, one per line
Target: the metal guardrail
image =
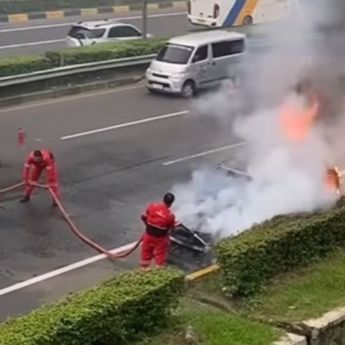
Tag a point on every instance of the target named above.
point(75, 69)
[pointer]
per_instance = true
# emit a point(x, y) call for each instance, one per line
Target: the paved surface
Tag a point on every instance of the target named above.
point(107, 178)
point(42, 36)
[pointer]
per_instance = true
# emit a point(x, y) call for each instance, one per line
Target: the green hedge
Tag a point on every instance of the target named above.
point(24, 6)
point(26, 64)
point(105, 52)
point(249, 260)
point(120, 310)
point(22, 64)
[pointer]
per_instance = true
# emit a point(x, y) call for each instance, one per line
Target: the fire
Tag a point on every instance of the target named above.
point(333, 180)
point(296, 122)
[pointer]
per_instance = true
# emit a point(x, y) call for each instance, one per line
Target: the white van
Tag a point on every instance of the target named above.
point(198, 60)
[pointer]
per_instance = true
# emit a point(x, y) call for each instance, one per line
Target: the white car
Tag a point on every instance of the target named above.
point(102, 31)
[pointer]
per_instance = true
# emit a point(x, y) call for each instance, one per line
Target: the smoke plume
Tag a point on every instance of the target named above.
point(284, 175)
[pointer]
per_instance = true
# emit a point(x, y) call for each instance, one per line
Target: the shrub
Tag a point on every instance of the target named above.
point(117, 311)
point(251, 259)
point(73, 56)
point(101, 52)
point(22, 64)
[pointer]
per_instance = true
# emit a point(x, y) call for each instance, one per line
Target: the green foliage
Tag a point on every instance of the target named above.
point(212, 326)
point(117, 311)
point(306, 293)
point(22, 64)
point(102, 52)
point(27, 64)
point(251, 259)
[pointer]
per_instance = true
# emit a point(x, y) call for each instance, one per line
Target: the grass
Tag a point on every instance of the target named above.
point(307, 293)
point(212, 326)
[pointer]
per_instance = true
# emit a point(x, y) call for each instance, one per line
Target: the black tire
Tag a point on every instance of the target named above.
point(188, 89)
point(247, 20)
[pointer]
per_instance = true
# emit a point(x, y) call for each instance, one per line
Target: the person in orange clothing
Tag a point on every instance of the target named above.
point(159, 221)
point(35, 163)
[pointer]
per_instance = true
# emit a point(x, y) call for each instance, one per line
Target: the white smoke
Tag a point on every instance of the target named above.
point(286, 177)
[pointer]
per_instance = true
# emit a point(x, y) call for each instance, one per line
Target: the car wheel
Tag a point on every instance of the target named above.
point(188, 89)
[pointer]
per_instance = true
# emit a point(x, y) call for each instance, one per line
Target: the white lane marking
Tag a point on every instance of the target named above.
point(31, 44)
point(62, 270)
point(68, 99)
point(205, 153)
point(47, 26)
point(126, 124)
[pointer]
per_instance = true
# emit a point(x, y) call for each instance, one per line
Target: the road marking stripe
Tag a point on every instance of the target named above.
point(31, 44)
point(205, 153)
point(179, 4)
point(88, 12)
point(16, 18)
point(153, 7)
point(54, 14)
point(47, 26)
point(127, 124)
point(62, 270)
point(117, 9)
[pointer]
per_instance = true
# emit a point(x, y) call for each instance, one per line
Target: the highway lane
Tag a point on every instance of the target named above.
point(40, 37)
point(107, 178)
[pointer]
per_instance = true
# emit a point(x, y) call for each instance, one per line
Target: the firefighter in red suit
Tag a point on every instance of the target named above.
point(35, 163)
point(159, 221)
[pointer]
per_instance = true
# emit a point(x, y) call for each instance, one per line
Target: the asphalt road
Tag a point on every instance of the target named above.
point(41, 36)
point(109, 172)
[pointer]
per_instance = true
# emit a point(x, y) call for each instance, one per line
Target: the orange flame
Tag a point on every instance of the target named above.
point(333, 180)
point(296, 122)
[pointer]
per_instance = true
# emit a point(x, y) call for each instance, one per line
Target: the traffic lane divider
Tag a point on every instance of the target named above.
point(87, 12)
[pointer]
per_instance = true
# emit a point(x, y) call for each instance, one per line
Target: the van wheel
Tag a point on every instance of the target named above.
point(247, 20)
point(188, 89)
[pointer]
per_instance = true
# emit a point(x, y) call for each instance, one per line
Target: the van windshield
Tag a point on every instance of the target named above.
point(173, 53)
point(80, 32)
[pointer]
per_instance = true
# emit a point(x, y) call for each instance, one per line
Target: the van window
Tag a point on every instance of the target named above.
point(201, 54)
point(227, 48)
point(80, 32)
point(174, 53)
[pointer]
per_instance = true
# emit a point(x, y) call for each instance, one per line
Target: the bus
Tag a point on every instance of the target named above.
point(229, 13)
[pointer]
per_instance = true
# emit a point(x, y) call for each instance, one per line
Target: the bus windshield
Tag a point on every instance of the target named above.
point(177, 54)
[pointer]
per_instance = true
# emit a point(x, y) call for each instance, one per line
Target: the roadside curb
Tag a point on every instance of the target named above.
point(87, 12)
point(201, 273)
point(291, 339)
point(68, 91)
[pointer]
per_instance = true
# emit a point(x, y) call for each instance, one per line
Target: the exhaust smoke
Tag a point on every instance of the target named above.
point(289, 112)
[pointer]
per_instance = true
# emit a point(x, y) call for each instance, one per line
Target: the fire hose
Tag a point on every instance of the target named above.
point(73, 227)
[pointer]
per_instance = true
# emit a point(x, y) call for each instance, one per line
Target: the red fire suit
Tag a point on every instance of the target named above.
point(159, 220)
point(33, 170)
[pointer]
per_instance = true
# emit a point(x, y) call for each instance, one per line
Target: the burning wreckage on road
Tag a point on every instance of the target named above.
point(319, 88)
point(193, 248)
